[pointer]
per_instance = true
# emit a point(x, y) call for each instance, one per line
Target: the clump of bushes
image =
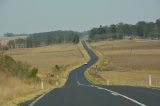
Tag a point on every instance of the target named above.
point(17, 68)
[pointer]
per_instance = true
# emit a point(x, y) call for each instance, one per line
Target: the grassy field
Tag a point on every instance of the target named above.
point(44, 58)
point(130, 62)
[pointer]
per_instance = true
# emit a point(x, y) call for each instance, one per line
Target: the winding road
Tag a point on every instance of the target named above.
point(78, 91)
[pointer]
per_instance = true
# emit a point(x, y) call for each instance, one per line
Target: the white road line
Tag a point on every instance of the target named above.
point(78, 82)
point(82, 84)
point(126, 97)
point(155, 89)
point(39, 98)
point(114, 93)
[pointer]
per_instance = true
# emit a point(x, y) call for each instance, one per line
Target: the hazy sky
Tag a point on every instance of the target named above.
point(28, 16)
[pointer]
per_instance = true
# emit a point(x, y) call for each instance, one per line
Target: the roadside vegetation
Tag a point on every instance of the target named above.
point(17, 68)
point(16, 79)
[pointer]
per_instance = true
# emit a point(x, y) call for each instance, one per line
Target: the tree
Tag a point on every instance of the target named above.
point(101, 30)
point(113, 29)
point(9, 34)
point(76, 39)
point(158, 22)
point(57, 67)
point(34, 72)
point(141, 28)
point(158, 25)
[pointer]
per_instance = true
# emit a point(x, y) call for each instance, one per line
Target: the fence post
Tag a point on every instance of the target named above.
point(57, 83)
point(150, 80)
point(42, 86)
point(107, 82)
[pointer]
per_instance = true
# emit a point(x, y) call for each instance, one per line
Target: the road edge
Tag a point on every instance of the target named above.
point(86, 58)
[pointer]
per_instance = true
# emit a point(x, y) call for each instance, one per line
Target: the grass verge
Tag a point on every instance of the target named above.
point(92, 76)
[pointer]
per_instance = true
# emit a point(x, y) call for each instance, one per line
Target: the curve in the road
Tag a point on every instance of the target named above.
point(78, 91)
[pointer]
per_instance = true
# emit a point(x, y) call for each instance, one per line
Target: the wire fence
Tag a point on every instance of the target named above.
point(142, 83)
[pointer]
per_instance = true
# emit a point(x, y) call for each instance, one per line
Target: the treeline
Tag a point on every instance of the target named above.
point(17, 43)
point(17, 68)
point(142, 29)
point(12, 34)
point(44, 38)
point(53, 37)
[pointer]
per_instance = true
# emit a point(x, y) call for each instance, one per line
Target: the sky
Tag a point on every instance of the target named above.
point(30, 16)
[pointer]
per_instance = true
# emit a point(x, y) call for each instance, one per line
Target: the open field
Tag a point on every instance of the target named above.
point(130, 62)
point(44, 58)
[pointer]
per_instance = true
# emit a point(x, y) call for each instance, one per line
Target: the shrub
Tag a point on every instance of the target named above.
point(19, 69)
point(57, 67)
point(34, 72)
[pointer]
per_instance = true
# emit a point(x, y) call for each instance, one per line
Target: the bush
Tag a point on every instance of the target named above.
point(34, 72)
point(57, 67)
point(18, 69)
point(6, 62)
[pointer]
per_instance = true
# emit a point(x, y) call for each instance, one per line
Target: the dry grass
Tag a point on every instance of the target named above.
point(132, 61)
point(44, 58)
point(11, 87)
point(136, 78)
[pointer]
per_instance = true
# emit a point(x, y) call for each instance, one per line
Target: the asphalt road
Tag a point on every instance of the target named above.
point(78, 91)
